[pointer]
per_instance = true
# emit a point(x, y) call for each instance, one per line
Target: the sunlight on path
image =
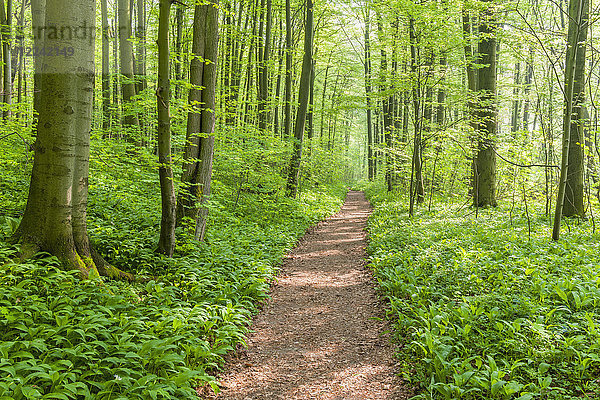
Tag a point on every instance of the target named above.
point(316, 338)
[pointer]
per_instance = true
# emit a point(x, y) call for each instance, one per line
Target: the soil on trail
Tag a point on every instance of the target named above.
point(317, 337)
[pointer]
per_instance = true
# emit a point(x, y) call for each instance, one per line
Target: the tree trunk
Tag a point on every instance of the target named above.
point(440, 118)
point(105, 68)
point(324, 98)
point(55, 216)
point(576, 23)
point(166, 243)
point(417, 190)
point(179, 13)
point(140, 34)
point(574, 193)
point(198, 155)
point(288, 70)
point(485, 163)
point(305, 77)
point(21, 56)
point(310, 130)
point(527, 90)
point(471, 95)
point(6, 22)
point(130, 119)
point(368, 90)
point(263, 84)
point(516, 112)
point(276, 112)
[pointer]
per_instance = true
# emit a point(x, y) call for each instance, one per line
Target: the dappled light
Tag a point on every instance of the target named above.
point(317, 337)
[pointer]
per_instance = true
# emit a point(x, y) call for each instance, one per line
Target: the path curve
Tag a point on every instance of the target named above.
point(316, 337)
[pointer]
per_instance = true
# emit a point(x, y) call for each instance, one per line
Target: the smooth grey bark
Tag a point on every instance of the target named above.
point(516, 111)
point(130, 119)
point(179, 14)
point(368, 91)
point(471, 72)
point(140, 35)
point(287, 130)
point(55, 216)
point(574, 191)
point(263, 70)
point(276, 112)
point(106, 117)
point(166, 242)
point(198, 155)
point(294, 171)
point(21, 56)
point(576, 12)
point(6, 22)
point(310, 117)
point(487, 113)
point(417, 185)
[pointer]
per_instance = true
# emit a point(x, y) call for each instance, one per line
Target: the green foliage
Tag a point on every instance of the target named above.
point(61, 338)
point(486, 313)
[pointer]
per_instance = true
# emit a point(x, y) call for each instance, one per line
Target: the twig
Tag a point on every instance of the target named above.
point(526, 165)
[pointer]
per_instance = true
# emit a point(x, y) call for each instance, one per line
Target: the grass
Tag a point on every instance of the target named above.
point(482, 310)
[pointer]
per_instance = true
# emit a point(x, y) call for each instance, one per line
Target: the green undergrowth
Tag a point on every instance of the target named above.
point(483, 310)
point(63, 338)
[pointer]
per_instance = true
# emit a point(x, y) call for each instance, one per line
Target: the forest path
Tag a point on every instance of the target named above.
point(316, 337)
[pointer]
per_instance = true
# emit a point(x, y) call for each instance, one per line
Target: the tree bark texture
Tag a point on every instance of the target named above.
point(305, 77)
point(574, 191)
point(198, 156)
point(55, 216)
point(576, 8)
point(130, 119)
point(485, 163)
point(166, 242)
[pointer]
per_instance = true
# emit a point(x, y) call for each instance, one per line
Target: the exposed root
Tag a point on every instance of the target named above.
point(108, 270)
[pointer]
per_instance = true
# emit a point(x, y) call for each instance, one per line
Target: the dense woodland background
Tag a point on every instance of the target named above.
point(219, 131)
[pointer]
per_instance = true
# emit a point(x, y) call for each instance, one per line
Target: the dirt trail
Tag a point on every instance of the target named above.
point(316, 338)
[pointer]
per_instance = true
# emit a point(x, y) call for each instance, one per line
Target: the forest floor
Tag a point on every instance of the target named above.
point(321, 335)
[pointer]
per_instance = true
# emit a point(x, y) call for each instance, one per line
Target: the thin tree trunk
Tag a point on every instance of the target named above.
point(471, 94)
point(179, 14)
point(106, 117)
point(293, 178)
point(574, 191)
point(130, 119)
point(263, 85)
point(416, 182)
point(323, 98)
point(278, 86)
point(21, 56)
point(288, 71)
point(516, 112)
point(166, 243)
point(368, 90)
point(310, 131)
point(485, 163)
point(6, 21)
point(140, 34)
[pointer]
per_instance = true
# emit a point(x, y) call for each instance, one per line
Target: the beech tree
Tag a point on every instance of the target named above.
point(198, 154)
point(55, 216)
point(294, 171)
point(578, 12)
point(166, 242)
point(126, 57)
point(487, 118)
point(574, 197)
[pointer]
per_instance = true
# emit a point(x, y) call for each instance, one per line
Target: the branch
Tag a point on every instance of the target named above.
point(525, 166)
